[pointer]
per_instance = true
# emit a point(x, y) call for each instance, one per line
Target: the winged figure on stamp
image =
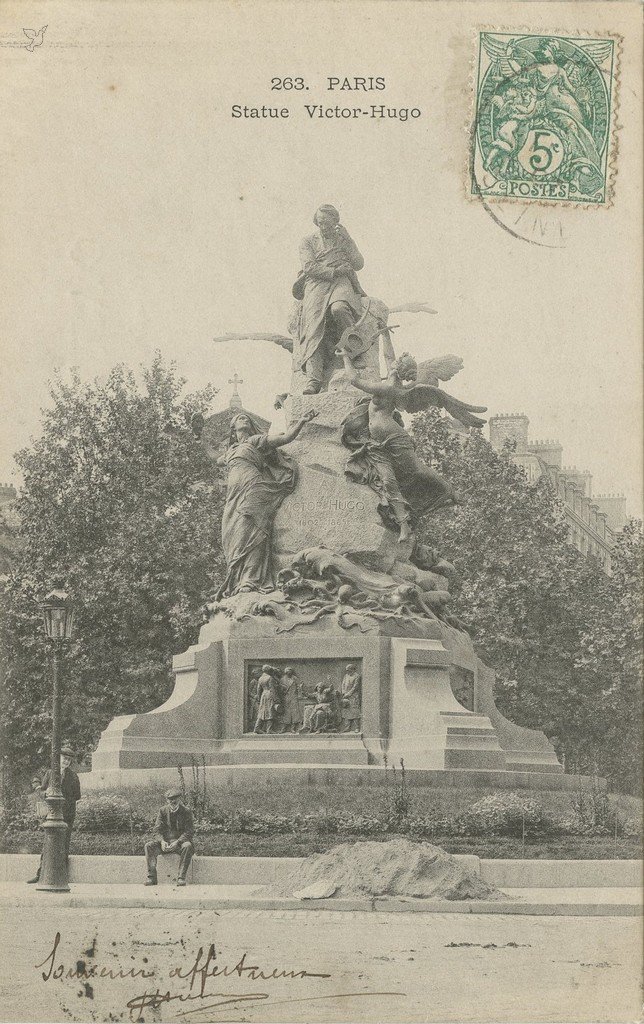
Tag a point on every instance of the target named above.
point(542, 82)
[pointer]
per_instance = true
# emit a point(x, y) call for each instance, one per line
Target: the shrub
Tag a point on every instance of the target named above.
point(108, 814)
point(208, 828)
point(632, 828)
point(595, 813)
point(361, 825)
point(262, 824)
point(23, 820)
point(500, 814)
point(431, 825)
point(323, 823)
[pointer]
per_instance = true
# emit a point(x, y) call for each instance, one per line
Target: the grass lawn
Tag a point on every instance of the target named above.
point(241, 845)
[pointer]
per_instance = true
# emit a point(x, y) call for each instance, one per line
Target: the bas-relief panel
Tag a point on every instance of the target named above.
point(321, 695)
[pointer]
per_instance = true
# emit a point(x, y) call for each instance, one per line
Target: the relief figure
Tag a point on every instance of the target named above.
point(350, 692)
point(290, 718)
point(269, 706)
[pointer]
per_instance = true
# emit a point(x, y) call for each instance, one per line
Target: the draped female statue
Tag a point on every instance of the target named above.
point(259, 478)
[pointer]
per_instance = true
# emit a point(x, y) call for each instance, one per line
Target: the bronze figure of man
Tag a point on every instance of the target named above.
point(330, 294)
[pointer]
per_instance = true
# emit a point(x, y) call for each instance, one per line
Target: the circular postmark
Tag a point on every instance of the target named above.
point(533, 224)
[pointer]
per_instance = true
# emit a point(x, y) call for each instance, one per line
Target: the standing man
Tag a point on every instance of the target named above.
point(70, 788)
point(350, 690)
point(267, 689)
point(253, 696)
point(173, 833)
point(330, 293)
point(291, 717)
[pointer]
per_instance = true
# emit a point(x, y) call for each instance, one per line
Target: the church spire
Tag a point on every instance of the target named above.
point(235, 400)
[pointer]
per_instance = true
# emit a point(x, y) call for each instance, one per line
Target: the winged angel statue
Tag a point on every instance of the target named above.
point(549, 84)
point(383, 454)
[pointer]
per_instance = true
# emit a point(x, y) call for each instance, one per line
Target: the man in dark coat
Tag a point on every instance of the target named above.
point(70, 788)
point(330, 293)
point(173, 832)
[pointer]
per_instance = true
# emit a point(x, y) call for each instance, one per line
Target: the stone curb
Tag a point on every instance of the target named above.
point(166, 898)
point(503, 874)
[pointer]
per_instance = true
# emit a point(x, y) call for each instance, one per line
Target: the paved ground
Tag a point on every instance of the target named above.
point(379, 967)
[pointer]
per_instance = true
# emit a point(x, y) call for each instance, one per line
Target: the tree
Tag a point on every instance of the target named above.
point(122, 506)
point(533, 603)
point(611, 653)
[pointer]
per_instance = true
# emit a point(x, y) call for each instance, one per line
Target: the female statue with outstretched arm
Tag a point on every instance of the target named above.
point(259, 478)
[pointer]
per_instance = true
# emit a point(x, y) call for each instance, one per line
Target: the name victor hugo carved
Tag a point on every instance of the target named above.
point(356, 84)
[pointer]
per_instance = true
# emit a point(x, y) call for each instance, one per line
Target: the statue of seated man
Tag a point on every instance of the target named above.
point(322, 716)
point(330, 293)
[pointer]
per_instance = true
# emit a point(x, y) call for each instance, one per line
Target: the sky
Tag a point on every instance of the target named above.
point(139, 215)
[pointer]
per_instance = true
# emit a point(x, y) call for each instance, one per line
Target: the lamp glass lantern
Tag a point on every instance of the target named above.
point(58, 614)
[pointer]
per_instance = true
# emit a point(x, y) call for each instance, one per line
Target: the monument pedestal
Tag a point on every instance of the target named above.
point(408, 710)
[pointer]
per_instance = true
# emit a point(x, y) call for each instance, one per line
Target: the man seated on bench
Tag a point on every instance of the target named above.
point(172, 834)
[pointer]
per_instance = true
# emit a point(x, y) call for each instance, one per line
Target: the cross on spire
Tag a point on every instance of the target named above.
point(235, 400)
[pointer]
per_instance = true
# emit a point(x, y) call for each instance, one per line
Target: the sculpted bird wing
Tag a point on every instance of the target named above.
point(277, 339)
point(440, 368)
point(412, 307)
point(424, 396)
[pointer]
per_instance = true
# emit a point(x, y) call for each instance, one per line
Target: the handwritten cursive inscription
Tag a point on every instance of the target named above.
point(190, 982)
point(82, 970)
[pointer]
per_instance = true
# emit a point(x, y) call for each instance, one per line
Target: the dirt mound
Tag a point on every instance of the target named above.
point(395, 868)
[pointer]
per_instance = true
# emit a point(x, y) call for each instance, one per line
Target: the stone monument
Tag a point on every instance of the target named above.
point(331, 643)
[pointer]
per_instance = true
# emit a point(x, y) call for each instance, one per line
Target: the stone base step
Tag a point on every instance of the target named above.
point(542, 874)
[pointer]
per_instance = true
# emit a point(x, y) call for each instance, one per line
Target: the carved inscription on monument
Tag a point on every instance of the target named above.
point(334, 510)
point(322, 695)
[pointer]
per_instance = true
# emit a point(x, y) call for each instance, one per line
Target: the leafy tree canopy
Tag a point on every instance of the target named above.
point(564, 637)
point(120, 505)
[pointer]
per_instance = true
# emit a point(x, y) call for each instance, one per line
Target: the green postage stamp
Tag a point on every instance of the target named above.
point(544, 109)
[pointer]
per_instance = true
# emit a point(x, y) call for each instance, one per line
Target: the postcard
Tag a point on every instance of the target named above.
point(320, 513)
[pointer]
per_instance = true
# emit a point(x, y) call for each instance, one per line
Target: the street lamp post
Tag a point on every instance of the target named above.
point(59, 620)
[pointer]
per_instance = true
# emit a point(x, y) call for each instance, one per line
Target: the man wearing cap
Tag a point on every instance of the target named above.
point(70, 788)
point(173, 832)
